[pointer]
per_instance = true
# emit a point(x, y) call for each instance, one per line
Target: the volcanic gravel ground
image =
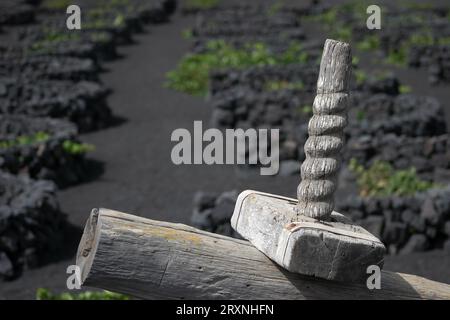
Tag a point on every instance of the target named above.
point(138, 175)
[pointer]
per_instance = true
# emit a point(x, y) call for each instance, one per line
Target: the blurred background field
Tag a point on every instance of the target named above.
point(86, 118)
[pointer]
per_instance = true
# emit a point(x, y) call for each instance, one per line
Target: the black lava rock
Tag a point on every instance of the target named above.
point(45, 158)
point(417, 242)
point(30, 223)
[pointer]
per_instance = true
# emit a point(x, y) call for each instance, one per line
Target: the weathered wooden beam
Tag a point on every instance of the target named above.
point(160, 260)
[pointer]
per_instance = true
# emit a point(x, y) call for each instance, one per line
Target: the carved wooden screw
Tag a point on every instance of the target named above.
point(320, 168)
point(290, 232)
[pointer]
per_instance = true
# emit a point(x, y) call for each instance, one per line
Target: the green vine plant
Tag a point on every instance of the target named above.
point(276, 7)
point(332, 20)
point(56, 4)
point(399, 57)
point(201, 4)
point(360, 76)
point(306, 109)
point(69, 146)
point(283, 85)
point(404, 89)
point(52, 36)
point(73, 147)
point(369, 43)
point(45, 294)
point(187, 34)
point(104, 15)
point(381, 180)
point(192, 73)
point(22, 140)
point(99, 19)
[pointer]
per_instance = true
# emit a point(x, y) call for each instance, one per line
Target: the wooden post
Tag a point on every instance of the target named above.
point(326, 133)
point(159, 260)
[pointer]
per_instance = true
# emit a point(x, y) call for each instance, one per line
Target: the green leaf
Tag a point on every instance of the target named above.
point(74, 147)
point(45, 294)
point(380, 179)
point(404, 89)
point(201, 4)
point(39, 137)
point(192, 73)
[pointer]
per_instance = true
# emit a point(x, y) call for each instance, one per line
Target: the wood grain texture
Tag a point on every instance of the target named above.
point(334, 250)
point(155, 260)
point(326, 133)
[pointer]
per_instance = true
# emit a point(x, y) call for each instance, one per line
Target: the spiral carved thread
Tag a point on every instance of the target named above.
point(326, 137)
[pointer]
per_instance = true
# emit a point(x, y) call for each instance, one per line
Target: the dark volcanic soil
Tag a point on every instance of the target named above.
point(138, 175)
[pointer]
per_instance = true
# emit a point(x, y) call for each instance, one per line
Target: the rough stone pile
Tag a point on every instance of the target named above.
point(242, 24)
point(430, 156)
point(405, 224)
point(84, 43)
point(405, 114)
point(212, 212)
point(243, 99)
point(383, 124)
point(259, 78)
point(413, 35)
point(50, 67)
point(49, 91)
point(30, 223)
point(14, 12)
point(436, 58)
point(83, 103)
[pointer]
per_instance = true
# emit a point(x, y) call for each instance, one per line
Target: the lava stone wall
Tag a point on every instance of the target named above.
point(30, 223)
point(50, 86)
point(384, 122)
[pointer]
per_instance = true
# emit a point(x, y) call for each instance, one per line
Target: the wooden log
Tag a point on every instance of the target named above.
point(159, 260)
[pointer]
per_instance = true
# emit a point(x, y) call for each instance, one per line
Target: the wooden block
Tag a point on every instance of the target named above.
point(335, 250)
